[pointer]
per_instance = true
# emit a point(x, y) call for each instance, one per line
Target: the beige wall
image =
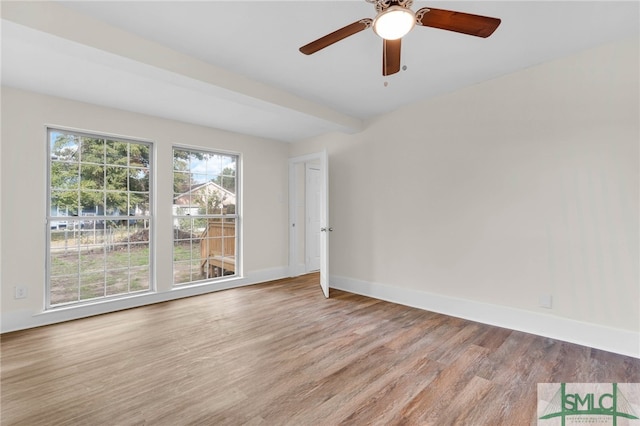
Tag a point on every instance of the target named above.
point(23, 228)
point(501, 192)
point(495, 194)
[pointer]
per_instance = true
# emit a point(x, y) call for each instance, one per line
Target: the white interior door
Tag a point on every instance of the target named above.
point(324, 223)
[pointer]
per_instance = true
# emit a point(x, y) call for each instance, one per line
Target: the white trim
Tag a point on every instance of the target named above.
point(293, 232)
point(301, 269)
point(620, 341)
point(85, 132)
point(20, 320)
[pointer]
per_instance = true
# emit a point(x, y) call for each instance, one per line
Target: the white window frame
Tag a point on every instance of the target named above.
point(207, 276)
point(75, 221)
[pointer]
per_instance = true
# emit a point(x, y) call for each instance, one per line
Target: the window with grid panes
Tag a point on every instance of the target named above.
point(205, 219)
point(100, 218)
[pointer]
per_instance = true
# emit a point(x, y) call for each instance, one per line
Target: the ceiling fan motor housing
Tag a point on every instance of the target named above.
point(382, 5)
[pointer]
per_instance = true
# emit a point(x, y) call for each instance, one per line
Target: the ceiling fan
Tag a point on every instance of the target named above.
point(395, 19)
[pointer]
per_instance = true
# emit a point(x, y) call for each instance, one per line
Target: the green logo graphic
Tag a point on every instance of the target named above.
point(587, 402)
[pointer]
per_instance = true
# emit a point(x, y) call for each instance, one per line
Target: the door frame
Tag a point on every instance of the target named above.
point(322, 157)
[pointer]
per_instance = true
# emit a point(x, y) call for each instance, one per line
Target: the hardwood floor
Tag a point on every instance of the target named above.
point(279, 353)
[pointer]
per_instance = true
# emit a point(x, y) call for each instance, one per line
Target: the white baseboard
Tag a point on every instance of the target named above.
point(23, 319)
point(301, 269)
point(624, 342)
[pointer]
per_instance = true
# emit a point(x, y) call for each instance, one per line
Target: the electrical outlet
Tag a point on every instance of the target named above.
point(21, 292)
point(545, 301)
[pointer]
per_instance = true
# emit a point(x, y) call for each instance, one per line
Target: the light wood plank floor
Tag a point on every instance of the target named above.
point(279, 353)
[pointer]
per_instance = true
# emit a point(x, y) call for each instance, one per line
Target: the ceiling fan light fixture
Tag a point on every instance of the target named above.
point(394, 22)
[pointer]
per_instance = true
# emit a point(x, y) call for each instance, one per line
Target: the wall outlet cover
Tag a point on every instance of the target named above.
point(21, 292)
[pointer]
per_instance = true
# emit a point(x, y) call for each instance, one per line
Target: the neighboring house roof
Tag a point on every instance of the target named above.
point(208, 189)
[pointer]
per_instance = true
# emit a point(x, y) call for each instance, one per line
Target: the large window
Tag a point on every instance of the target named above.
point(205, 219)
point(99, 217)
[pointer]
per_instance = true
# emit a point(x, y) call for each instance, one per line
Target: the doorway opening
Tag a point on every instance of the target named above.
point(308, 217)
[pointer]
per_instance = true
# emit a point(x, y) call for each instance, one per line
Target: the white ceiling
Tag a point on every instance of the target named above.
point(235, 65)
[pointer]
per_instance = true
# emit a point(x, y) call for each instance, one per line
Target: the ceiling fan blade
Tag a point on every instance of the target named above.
point(391, 56)
point(336, 36)
point(465, 23)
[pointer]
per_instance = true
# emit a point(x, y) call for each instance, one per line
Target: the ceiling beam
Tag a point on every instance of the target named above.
point(63, 22)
